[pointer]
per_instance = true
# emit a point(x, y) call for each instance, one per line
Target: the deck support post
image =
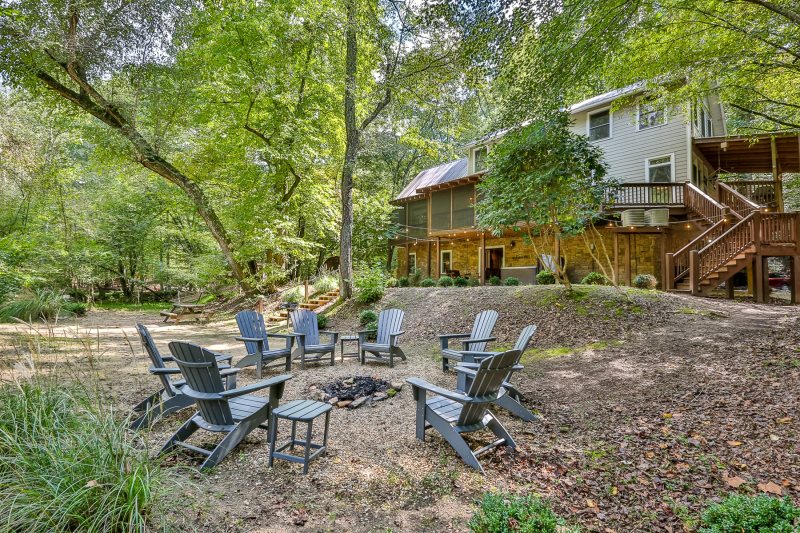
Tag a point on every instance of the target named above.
point(616, 258)
point(694, 272)
point(628, 261)
point(777, 178)
point(795, 286)
point(662, 255)
point(482, 259)
point(729, 288)
point(429, 259)
point(669, 269)
point(761, 279)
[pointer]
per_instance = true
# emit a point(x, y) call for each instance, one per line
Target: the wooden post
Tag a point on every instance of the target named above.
point(305, 289)
point(662, 255)
point(668, 272)
point(616, 258)
point(628, 261)
point(482, 259)
point(759, 278)
point(795, 287)
point(429, 258)
point(777, 178)
point(408, 258)
point(694, 272)
point(729, 288)
point(260, 305)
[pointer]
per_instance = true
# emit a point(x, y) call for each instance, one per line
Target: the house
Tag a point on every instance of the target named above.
point(678, 160)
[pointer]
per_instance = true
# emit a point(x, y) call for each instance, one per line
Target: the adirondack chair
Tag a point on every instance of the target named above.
point(475, 341)
point(306, 331)
point(386, 336)
point(512, 401)
point(170, 398)
point(256, 340)
point(233, 412)
point(453, 413)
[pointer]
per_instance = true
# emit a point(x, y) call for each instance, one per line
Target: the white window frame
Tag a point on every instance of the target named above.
point(474, 158)
point(639, 118)
point(482, 251)
point(441, 260)
point(610, 123)
point(698, 128)
point(671, 166)
point(410, 255)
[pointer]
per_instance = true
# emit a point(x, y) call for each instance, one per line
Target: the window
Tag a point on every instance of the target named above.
point(446, 262)
point(463, 210)
point(440, 210)
point(703, 123)
point(412, 263)
point(479, 156)
point(660, 169)
point(600, 125)
point(650, 115)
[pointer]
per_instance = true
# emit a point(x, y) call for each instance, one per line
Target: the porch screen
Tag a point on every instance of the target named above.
point(399, 217)
point(463, 210)
point(418, 219)
point(440, 210)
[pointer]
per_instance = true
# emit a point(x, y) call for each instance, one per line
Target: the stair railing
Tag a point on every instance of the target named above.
point(734, 241)
point(740, 205)
point(702, 204)
point(678, 262)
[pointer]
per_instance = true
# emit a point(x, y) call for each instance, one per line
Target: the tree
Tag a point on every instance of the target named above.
point(546, 181)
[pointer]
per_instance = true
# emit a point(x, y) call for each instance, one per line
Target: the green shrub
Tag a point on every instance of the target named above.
point(371, 326)
point(370, 284)
point(473, 282)
point(500, 513)
point(545, 277)
point(66, 464)
point(445, 281)
point(366, 316)
point(460, 282)
point(33, 305)
point(594, 278)
point(495, 280)
point(392, 282)
point(427, 282)
point(645, 281)
point(511, 281)
point(751, 514)
point(325, 284)
point(402, 282)
point(322, 321)
point(415, 278)
point(75, 308)
point(294, 296)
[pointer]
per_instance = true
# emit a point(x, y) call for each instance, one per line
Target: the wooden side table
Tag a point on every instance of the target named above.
point(299, 411)
point(348, 338)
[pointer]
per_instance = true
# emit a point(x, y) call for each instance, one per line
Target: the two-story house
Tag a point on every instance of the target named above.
point(678, 161)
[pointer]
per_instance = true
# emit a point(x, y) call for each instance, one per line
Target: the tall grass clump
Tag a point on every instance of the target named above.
point(34, 305)
point(67, 465)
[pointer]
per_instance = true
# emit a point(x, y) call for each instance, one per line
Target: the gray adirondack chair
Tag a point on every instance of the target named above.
point(307, 334)
point(512, 401)
point(390, 322)
point(453, 413)
point(233, 412)
point(170, 398)
point(475, 341)
point(256, 341)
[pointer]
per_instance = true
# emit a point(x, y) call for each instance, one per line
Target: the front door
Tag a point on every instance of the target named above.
point(494, 262)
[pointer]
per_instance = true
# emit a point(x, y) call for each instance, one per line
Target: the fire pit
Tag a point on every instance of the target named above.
point(355, 391)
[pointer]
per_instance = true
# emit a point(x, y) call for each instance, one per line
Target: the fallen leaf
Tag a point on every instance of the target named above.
point(735, 481)
point(91, 483)
point(772, 488)
point(784, 420)
point(614, 491)
point(591, 503)
point(666, 415)
point(774, 438)
point(650, 455)
point(734, 443)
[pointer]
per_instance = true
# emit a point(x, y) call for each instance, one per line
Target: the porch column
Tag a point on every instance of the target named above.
point(762, 282)
point(616, 258)
point(438, 257)
point(408, 258)
point(482, 259)
point(795, 287)
point(429, 258)
point(628, 261)
point(777, 177)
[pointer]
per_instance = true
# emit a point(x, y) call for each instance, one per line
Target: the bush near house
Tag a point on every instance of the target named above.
point(473, 282)
point(322, 321)
point(751, 514)
point(445, 281)
point(402, 282)
point(594, 278)
point(460, 282)
point(494, 280)
point(427, 282)
point(545, 277)
point(645, 281)
point(511, 281)
point(503, 512)
point(367, 317)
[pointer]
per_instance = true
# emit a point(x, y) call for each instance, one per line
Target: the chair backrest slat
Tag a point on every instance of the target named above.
point(389, 321)
point(524, 338)
point(155, 357)
point(200, 369)
point(251, 324)
point(305, 321)
point(486, 385)
point(484, 324)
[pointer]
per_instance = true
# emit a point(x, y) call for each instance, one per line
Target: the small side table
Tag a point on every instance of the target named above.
point(348, 338)
point(299, 411)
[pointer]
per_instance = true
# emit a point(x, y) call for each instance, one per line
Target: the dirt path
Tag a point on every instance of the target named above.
point(645, 415)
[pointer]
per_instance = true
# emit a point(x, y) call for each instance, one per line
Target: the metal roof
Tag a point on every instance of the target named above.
point(451, 171)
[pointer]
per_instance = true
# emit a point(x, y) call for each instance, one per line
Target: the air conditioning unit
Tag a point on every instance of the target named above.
point(657, 217)
point(633, 217)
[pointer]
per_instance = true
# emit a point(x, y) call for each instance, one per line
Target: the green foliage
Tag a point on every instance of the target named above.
point(392, 282)
point(495, 280)
point(370, 284)
point(427, 282)
point(511, 281)
point(594, 278)
point(445, 281)
point(367, 316)
point(75, 308)
point(415, 278)
point(645, 281)
point(41, 304)
point(66, 464)
point(326, 283)
point(322, 321)
point(751, 514)
point(402, 282)
point(473, 282)
point(504, 513)
point(545, 277)
point(294, 295)
point(460, 282)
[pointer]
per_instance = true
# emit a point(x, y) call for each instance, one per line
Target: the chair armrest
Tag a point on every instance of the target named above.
point(333, 334)
point(250, 339)
point(229, 371)
point(453, 335)
point(467, 342)
point(167, 358)
point(163, 371)
point(288, 336)
point(222, 356)
point(277, 380)
point(362, 335)
point(419, 383)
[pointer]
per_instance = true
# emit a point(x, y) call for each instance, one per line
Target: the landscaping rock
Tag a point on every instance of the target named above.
point(344, 403)
point(334, 400)
point(358, 402)
point(397, 385)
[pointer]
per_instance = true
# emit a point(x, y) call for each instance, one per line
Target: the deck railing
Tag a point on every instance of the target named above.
point(779, 229)
point(740, 205)
point(645, 194)
point(761, 192)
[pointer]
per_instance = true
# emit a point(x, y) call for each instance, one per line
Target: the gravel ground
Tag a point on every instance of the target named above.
point(640, 398)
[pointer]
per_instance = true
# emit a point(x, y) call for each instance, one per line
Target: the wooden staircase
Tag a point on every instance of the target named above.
point(312, 305)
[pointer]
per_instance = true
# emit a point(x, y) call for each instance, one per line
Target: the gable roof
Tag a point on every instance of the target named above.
point(444, 173)
point(605, 98)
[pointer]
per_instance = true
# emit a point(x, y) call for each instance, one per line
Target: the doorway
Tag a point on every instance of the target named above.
point(494, 262)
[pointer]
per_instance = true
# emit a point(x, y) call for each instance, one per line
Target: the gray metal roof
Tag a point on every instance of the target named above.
point(453, 170)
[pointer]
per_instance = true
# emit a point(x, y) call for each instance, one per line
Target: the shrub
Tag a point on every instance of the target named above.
point(751, 514)
point(594, 278)
point(473, 282)
point(322, 321)
point(427, 282)
point(415, 278)
point(506, 512)
point(511, 281)
point(495, 280)
point(366, 316)
point(66, 464)
point(392, 282)
point(33, 305)
point(460, 282)
point(402, 282)
point(445, 281)
point(325, 284)
point(545, 277)
point(370, 284)
point(74, 308)
point(293, 296)
point(645, 281)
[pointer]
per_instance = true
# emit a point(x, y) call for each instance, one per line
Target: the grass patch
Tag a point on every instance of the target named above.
point(500, 512)
point(751, 514)
point(67, 465)
point(128, 306)
point(538, 354)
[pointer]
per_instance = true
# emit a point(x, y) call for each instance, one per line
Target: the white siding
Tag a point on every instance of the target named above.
point(628, 148)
